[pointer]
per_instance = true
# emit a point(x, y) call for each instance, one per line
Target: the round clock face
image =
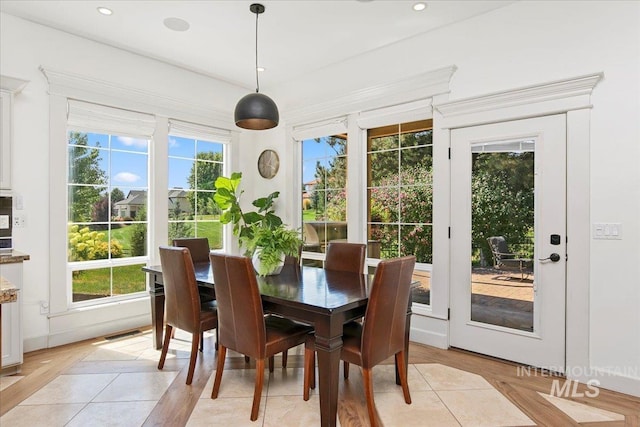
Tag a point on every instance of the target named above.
point(268, 164)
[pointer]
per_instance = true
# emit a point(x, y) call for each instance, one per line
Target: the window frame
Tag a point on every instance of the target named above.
point(110, 263)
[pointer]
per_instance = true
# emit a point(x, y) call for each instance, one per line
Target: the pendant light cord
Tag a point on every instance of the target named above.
point(257, 81)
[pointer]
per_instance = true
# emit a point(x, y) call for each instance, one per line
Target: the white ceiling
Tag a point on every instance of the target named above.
point(295, 36)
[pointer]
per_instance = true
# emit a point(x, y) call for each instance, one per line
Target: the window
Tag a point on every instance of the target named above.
point(107, 187)
point(194, 165)
point(400, 194)
point(324, 197)
point(107, 221)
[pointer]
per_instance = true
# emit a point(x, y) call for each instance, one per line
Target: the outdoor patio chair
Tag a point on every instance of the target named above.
point(505, 260)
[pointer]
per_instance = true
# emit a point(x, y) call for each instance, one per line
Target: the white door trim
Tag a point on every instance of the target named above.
point(573, 97)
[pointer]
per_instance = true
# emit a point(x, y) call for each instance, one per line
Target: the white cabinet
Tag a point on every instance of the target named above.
point(9, 86)
point(12, 320)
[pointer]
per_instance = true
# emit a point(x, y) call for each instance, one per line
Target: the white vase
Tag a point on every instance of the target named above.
point(256, 263)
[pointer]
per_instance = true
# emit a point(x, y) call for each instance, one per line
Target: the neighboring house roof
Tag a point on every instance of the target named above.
point(135, 197)
point(177, 192)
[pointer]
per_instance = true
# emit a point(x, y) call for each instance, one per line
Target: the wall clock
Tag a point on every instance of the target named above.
point(268, 164)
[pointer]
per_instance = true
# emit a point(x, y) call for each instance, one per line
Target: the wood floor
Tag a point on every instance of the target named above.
point(177, 403)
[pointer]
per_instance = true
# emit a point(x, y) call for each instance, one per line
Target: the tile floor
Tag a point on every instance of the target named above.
point(86, 396)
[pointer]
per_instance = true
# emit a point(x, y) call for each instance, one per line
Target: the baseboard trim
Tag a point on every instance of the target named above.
point(97, 330)
point(608, 379)
point(35, 343)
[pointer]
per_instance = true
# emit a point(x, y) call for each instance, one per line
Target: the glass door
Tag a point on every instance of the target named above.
point(508, 240)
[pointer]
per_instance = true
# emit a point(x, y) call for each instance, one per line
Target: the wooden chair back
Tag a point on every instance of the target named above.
point(198, 246)
point(343, 256)
point(240, 315)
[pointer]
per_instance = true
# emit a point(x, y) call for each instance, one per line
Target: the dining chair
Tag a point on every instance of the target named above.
point(295, 260)
point(381, 334)
point(199, 250)
point(343, 256)
point(243, 326)
point(198, 247)
point(340, 256)
point(182, 302)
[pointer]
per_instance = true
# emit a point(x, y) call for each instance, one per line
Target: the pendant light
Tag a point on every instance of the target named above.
point(256, 111)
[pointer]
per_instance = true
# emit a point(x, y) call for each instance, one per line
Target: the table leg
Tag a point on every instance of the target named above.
point(328, 347)
point(157, 317)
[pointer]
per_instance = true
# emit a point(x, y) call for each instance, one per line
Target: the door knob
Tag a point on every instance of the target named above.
point(554, 257)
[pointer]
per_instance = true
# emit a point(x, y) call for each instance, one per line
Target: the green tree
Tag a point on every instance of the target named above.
point(84, 165)
point(116, 195)
point(177, 227)
point(139, 235)
point(204, 172)
point(502, 199)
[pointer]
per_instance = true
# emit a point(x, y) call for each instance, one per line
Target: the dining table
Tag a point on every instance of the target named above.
point(325, 299)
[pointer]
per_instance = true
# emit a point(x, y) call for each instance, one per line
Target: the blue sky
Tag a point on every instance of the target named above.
point(129, 158)
point(312, 152)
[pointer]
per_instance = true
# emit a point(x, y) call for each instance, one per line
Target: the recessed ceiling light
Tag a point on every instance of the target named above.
point(176, 24)
point(260, 68)
point(105, 10)
point(419, 6)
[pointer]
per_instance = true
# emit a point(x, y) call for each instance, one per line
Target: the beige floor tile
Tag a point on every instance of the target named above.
point(137, 386)
point(121, 366)
point(580, 412)
point(425, 410)
point(284, 411)
point(236, 383)
point(384, 378)
point(41, 415)
point(104, 353)
point(71, 389)
point(285, 382)
point(441, 377)
point(234, 411)
point(483, 408)
point(9, 380)
point(113, 414)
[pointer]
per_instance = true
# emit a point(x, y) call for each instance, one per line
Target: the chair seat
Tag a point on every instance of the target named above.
point(208, 319)
point(351, 339)
point(283, 334)
point(209, 305)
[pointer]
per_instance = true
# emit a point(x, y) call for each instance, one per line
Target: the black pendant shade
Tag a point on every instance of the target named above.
point(256, 111)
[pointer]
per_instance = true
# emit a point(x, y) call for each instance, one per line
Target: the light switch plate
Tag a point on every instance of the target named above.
point(607, 230)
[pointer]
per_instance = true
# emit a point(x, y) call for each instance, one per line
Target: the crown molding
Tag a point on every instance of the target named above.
point(547, 98)
point(420, 86)
point(12, 84)
point(104, 92)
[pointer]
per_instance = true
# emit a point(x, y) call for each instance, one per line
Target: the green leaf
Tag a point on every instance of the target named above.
point(272, 220)
point(252, 217)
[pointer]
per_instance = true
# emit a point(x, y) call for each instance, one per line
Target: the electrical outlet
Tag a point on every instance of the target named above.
point(19, 221)
point(44, 307)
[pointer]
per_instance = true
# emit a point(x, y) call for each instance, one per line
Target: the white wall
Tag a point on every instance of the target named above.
point(519, 45)
point(24, 48)
point(529, 43)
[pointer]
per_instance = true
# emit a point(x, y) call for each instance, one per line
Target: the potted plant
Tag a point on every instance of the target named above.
point(261, 233)
point(269, 246)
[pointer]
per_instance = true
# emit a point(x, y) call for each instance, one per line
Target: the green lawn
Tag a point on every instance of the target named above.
point(89, 284)
point(308, 215)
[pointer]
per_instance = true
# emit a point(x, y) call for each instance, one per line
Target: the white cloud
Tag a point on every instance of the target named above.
point(173, 142)
point(135, 142)
point(127, 177)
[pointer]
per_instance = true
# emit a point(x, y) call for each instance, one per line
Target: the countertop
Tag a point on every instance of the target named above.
point(8, 292)
point(11, 256)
